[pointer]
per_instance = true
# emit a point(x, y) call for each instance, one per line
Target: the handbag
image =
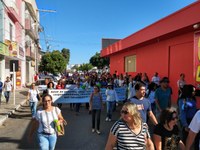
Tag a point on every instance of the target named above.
point(61, 131)
point(38, 97)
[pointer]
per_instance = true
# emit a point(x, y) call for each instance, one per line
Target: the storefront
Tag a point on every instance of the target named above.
point(3, 53)
point(169, 46)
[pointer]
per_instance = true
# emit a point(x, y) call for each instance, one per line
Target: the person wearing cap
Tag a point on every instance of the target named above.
point(111, 98)
point(163, 95)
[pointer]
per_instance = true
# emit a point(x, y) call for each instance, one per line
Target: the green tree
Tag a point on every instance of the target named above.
point(85, 67)
point(98, 61)
point(53, 62)
point(66, 54)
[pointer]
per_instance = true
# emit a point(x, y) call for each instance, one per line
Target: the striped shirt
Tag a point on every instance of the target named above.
point(127, 139)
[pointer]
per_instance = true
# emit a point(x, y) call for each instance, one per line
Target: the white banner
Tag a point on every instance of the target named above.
point(80, 95)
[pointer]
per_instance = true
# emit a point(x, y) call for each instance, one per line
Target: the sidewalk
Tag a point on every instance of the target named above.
point(8, 109)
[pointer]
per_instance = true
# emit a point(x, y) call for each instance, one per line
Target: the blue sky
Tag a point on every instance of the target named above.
point(79, 25)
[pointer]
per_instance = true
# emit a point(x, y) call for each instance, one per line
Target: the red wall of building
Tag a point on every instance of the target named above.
point(169, 58)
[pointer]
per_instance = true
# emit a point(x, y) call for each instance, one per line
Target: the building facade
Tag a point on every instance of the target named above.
point(13, 39)
point(170, 46)
point(32, 39)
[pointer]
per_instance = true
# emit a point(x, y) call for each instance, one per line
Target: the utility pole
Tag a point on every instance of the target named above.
point(46, 40)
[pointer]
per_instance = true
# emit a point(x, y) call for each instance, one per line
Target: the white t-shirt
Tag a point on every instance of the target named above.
point(180, 83)
point(120, 82)
point(8, 86)
point(195, 124)
point(46, 120)
point(33, 95)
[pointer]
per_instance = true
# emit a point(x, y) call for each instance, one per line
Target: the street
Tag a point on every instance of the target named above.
point(78, 135)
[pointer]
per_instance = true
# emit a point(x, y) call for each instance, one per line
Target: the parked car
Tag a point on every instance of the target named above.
point(50, 77)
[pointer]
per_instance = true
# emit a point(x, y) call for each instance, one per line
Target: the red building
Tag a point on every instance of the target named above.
point(169, 46)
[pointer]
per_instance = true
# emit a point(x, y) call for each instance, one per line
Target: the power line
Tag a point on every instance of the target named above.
point(45, 10)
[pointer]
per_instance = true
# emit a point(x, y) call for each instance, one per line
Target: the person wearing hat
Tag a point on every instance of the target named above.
point(163, 95)
point(111, 98)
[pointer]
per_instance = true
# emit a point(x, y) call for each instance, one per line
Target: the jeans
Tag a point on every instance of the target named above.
point(7, 95)
point(33, 106)
point(110, 106)
point(94, 113)
point(47, 142)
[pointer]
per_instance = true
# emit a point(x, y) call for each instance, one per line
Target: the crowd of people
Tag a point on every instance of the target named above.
point(146, 101)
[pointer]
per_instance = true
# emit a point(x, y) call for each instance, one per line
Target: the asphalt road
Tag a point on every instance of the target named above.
point(78, 134)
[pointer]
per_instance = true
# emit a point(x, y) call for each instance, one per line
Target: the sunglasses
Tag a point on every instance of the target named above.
point(124, 112)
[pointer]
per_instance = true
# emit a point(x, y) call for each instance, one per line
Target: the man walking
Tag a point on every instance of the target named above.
point(143, 104)
point(163, 95)
point(7, 88)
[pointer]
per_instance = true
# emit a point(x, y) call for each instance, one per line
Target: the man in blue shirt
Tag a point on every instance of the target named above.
point(1, 89)
point(143, 104)
point(163, 95)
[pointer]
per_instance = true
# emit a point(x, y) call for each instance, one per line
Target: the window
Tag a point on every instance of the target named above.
point(130, 63)
point(11, 32)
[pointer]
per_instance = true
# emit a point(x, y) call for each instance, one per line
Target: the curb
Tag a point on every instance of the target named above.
point(3, 118)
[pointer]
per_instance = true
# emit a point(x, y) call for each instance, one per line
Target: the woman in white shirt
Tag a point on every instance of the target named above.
point(44, 123)
point(32, 98)
point(111, 98)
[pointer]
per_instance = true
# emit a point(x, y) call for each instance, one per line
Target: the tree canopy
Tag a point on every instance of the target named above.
point(85, 67)
point(53, 62)
point(98, 61)
point(66, 54)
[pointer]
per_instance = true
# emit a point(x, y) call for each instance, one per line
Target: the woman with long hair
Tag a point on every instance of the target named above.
point(129, 132)
point(187, 108)
point(166, 133)
point(45, 125)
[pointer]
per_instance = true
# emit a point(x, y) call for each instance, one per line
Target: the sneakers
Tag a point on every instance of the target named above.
point(93, 130)
point(108, 119)
point(98, 132)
